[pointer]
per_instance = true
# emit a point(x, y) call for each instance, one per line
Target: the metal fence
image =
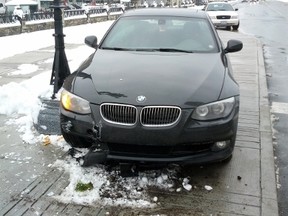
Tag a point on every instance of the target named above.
point(6, 19)
point(39, 15)
point(44, 15)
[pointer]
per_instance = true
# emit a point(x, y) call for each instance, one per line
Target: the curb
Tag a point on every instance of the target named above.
point(269, 203)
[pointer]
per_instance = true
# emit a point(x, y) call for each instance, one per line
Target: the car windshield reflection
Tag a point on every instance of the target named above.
point(219, 7)
point(161, 34)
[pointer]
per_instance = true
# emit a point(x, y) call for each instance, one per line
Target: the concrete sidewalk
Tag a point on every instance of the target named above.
point(244, 186)
point(250, 73)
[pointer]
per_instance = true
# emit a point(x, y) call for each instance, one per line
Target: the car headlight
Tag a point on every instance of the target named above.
point(216, 110)
point(74, 103)
point(234, 17)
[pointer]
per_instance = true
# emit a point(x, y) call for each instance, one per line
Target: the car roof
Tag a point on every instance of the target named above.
point(181, 12)
point(219, 2)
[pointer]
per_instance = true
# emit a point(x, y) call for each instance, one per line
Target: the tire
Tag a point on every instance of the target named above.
point(76, 141)
point(235, 27)
point(227, 160)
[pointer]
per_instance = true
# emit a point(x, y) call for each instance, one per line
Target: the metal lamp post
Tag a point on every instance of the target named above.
point(60, 68)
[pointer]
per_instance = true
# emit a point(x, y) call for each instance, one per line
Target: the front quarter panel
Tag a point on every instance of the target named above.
point(230, 87)
point(80, 83)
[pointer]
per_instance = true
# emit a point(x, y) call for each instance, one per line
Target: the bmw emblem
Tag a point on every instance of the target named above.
point(141, 99)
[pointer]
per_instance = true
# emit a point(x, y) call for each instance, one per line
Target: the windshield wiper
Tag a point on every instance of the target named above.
point(174, 50)
point(148, 49)
point(165, 50)
point(117, 48)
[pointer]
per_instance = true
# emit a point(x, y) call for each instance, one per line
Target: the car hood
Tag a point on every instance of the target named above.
point(182, 79)
point(223, 13)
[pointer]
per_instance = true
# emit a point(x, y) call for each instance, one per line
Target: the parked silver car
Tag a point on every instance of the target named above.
point(223, 14)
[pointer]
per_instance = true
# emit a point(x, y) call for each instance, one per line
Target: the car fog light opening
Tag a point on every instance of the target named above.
point(220, 145)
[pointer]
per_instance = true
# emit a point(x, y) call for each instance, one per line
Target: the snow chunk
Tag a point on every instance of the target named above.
point(209, 188)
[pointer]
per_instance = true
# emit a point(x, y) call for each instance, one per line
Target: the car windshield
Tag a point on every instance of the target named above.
point(161, 34)
point(219, 7)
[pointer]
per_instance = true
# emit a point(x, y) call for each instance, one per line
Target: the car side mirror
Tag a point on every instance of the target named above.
point(233, 46)
point(91, 41)
point(236, 9)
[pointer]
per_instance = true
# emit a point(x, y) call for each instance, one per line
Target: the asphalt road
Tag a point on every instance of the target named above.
point(268, 21)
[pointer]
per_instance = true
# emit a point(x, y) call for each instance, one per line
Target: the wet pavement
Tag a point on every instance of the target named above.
point(244, 186)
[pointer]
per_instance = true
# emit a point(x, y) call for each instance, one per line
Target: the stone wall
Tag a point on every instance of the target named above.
point(49, 24)
point(10, 30)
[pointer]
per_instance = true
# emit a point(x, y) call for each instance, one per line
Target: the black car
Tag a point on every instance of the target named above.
point(158, 88)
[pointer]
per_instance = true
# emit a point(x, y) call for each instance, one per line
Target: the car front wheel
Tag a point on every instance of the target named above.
point(235, 27)
point(227, 160)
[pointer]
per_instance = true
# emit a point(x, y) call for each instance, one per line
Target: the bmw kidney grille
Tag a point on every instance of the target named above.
point(150, 116)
